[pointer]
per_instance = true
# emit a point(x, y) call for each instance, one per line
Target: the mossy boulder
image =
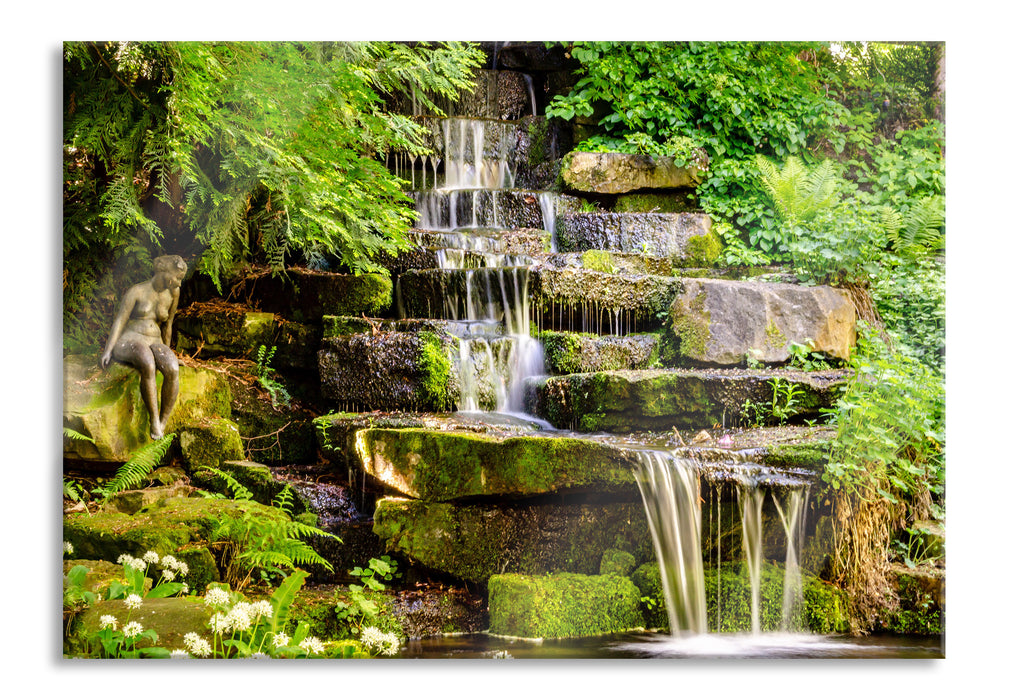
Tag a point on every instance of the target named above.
point(617, 561)
point(653, 202)
point(436, 465)
point(668, 236)
point(728, 600)
point(171, 618)
point(256, 477)
point(130, 502)
point(305, 296)
point(726, 323)
point(573, 353)
point(107, 407)
point(562, 605)
point(391, 370)
point(271, 433)
point(178, 526)
point(474, 542)
point(921, 610)
point(210, 443)
point(336, 433)
point(219, 328)
point(615, 173)
point(629, 400)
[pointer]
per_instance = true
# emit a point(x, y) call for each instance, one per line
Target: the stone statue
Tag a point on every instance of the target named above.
point(141, 335)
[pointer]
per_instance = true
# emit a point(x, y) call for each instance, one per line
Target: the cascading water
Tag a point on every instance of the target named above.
point(671, 495)
point(670, 486)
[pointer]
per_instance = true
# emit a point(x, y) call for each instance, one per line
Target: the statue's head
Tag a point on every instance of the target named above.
point(172, 267)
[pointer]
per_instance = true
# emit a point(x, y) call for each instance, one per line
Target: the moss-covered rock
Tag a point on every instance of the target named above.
point(272, 433)
point(650, 203)
point(572, 353)
point(256, 477)
point(922, 601)
point(107, 407)
point(728, 600)
point(562, 605)
point(611, 173)
point(629, 400)
point(474, 542)
point(617, 561)
point(439, 465)
point(305, 296)
point(210, 443)
point(131, 501)
point(220, 328)
point(178, 526)
point(170, 618)
point(723, 323)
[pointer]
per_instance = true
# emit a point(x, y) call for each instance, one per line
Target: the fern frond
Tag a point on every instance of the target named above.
point(74, 435)
point(922, 228)
point(285, 499)
point(238, 491)
point(140, 465)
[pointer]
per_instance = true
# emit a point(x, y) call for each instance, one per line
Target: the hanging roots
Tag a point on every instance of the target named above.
point(865, 309)
point(862, 527)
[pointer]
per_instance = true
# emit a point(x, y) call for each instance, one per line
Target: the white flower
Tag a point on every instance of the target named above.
point(259, 655)
point(379, 642)
point(185, 588)
point(219, 623)
point(238, 618)
point(168, 575)
point(178, 654)
point(131, 561)
point(196, 644)
point(216, 596)
point(133, 601)
point(262, 608)
point(132, 629)
point(169, 562)
point(280, 640)
point(108, 621)
point(68, 548)
point(150, 557)
point(312, 645)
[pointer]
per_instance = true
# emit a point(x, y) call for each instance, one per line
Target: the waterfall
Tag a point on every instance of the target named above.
point(532, 92)
point(792, 518)
point(671, 494)
point(751, 499)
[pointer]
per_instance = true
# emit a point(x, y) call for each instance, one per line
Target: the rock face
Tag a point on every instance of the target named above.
point(304, 296)
point(474, 542)
point(436, 465)
point(107, 407)
point(571, 353)
point(626, 401)
point(615, 173)
point(722, 322)
point(685, 238)
point(563, 605)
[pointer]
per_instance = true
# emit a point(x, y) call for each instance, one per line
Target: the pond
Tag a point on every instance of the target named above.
point(660, 646)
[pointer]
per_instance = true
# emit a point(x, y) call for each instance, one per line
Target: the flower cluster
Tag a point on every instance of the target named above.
point(68, 548)
point(378, 642)
point(131, 561)
point(196, 645)
point(312, 645)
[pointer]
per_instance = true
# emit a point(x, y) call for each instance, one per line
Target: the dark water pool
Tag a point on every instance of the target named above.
point(712, 646)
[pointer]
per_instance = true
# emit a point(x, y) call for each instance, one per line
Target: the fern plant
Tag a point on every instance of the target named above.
point(135, 471)
point(278, 393)
point(797, 191)
point(921, 228)
point(248, 542)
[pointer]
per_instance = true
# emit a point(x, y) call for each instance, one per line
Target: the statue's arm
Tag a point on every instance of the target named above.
point(166, 327)
point(122, 316)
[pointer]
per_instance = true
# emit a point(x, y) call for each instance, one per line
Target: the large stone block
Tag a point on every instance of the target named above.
point(630, 400)
point(723, 323)
point(616, 173)
point(107, 407)
point(437, 465)
point(474, 542)
point(304, 296)
point(684, 238)
point(563, 605)
point(572, 353)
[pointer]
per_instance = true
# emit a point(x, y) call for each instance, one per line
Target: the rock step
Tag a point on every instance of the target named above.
point(483, 207)
point(617, 173)
point(685, 237)
point(627, 400)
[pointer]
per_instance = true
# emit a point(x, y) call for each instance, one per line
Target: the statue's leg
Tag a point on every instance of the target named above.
point(139, 356)
point(168, 365)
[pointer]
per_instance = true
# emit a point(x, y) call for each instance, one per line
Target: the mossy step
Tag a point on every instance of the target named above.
point(305, 296)
point(107, 407)
point(617, 173)
point(475, 541)
point(563, 605)
point(517, 241)
point(728, 600)
point(686, 238)
point(436, 465)
point(574, 353)
point(629, 400)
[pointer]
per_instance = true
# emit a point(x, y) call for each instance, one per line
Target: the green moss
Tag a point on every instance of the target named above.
point(435, 370)
point(333, 326)
point(562, 605)
point(728, 599)
point(775, 338)
point(652, 202)
point(687, 332)
point(211, 442)
point(703, 251)
point(918, 612)
point(616, 561)
point(812, 455)
point(599, 260)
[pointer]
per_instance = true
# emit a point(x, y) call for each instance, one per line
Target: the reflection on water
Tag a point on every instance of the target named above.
point(707, 646)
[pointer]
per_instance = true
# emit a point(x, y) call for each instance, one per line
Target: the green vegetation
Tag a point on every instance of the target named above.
point(234, 152)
